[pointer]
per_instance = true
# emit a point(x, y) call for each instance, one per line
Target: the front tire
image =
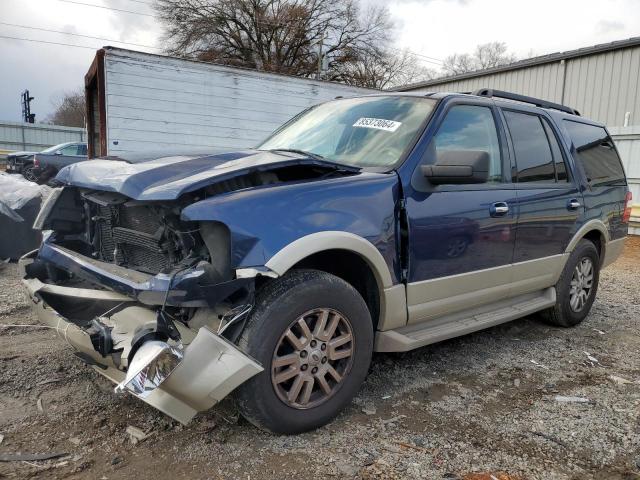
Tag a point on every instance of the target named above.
point(28, 173)
point(312, 333)
point(577, 287)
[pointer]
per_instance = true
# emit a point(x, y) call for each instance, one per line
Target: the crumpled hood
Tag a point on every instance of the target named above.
point(167, 178)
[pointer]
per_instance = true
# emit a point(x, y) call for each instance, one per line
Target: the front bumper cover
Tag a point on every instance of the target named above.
point(211, 366)
point(191, 287)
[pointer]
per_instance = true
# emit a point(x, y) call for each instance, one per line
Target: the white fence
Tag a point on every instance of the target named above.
point(36, 136)
point(628, 142)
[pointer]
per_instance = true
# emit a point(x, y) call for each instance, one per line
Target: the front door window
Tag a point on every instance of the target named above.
point(470, 127)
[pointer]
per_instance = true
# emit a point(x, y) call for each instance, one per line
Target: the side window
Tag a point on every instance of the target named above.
point(596, 153)
point(82, 149)
point(470, 127)
point(70, 150)
point(533, 153)
point(561, 167)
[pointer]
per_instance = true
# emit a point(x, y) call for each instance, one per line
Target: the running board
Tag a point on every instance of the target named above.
point(461, 323)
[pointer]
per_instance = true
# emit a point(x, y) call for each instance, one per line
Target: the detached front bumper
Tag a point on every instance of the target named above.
point(210, 367)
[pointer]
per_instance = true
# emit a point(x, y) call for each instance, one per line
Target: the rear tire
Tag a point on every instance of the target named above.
point(308, 328)
point(577, 287)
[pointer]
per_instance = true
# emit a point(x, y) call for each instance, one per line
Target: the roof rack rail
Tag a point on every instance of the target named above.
point(489, 92)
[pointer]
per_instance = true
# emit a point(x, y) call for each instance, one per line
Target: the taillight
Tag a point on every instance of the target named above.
point(36, 162)
point(626, 216)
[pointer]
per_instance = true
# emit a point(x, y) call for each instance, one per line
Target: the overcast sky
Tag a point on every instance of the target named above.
point(435, 28)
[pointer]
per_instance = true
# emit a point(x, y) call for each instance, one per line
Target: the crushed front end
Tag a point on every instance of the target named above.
point(150, 301)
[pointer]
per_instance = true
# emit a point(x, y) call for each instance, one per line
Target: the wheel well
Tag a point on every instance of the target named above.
point(351, 268)
point(596, 237)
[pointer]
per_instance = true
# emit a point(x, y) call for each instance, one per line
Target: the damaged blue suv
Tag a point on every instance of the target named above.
point(381, 223)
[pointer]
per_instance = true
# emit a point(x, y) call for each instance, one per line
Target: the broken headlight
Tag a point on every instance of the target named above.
point(151, 365)
point(46, 208)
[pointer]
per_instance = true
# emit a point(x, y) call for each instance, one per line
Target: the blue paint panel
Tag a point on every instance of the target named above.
point(607, 204)
point(453, 232)
point(545, 224)
point(264, 220)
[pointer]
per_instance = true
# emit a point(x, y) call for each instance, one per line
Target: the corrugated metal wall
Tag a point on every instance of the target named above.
point(603, 86)
point(35, 137)
point(158, 103)
point(544, 81)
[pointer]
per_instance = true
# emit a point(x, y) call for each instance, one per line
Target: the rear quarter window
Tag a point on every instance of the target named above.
point(597, 154)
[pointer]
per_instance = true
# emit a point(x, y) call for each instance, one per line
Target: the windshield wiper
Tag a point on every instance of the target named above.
point(315, 156)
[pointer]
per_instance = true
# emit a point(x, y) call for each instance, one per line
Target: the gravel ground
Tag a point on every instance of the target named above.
point(480, 407)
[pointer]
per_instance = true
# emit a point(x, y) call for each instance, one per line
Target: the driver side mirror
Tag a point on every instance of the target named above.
point(58, 152)
point(458, 167)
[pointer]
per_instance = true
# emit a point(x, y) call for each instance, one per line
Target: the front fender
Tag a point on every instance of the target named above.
point(264, 220)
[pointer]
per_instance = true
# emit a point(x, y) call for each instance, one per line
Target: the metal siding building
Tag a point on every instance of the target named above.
point(602, 82)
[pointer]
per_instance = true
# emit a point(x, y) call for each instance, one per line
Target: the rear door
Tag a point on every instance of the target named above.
point(550, 204)
point(605, 195)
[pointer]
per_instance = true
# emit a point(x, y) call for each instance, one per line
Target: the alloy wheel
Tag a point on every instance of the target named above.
point(312, 358)
point(581, 284)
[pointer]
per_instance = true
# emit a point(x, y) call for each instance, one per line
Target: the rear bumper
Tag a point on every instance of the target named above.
point(210, 369)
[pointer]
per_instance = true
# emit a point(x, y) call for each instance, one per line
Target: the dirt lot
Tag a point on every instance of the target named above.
point(469, 408)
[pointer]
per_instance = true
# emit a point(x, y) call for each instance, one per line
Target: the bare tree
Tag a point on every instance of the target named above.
point(382, 69)
point(458, 63)
point(69, 110)
point(493, 54)
point(486, 55)
point(285, 36)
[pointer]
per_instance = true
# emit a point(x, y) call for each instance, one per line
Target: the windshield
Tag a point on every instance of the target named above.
point(54, 148)
point(363, 132)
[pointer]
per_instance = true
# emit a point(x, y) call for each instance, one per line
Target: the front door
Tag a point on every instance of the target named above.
point(461, 237)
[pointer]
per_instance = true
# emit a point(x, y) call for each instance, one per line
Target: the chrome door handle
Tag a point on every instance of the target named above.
point(499, 209)
point(573, 204)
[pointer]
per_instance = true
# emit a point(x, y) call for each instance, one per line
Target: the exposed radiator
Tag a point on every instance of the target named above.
point(134, 237)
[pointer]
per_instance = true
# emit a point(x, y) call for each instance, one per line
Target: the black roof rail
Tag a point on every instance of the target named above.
point(489, 92)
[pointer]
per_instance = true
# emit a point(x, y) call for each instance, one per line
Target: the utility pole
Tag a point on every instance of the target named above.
point(320, 56)
point(27, 116)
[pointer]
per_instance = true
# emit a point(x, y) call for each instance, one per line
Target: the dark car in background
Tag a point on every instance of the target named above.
point(16, 161)
point(46, 164)
point(22, 162)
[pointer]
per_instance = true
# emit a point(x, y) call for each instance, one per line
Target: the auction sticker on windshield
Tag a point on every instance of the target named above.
point(378, 124)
